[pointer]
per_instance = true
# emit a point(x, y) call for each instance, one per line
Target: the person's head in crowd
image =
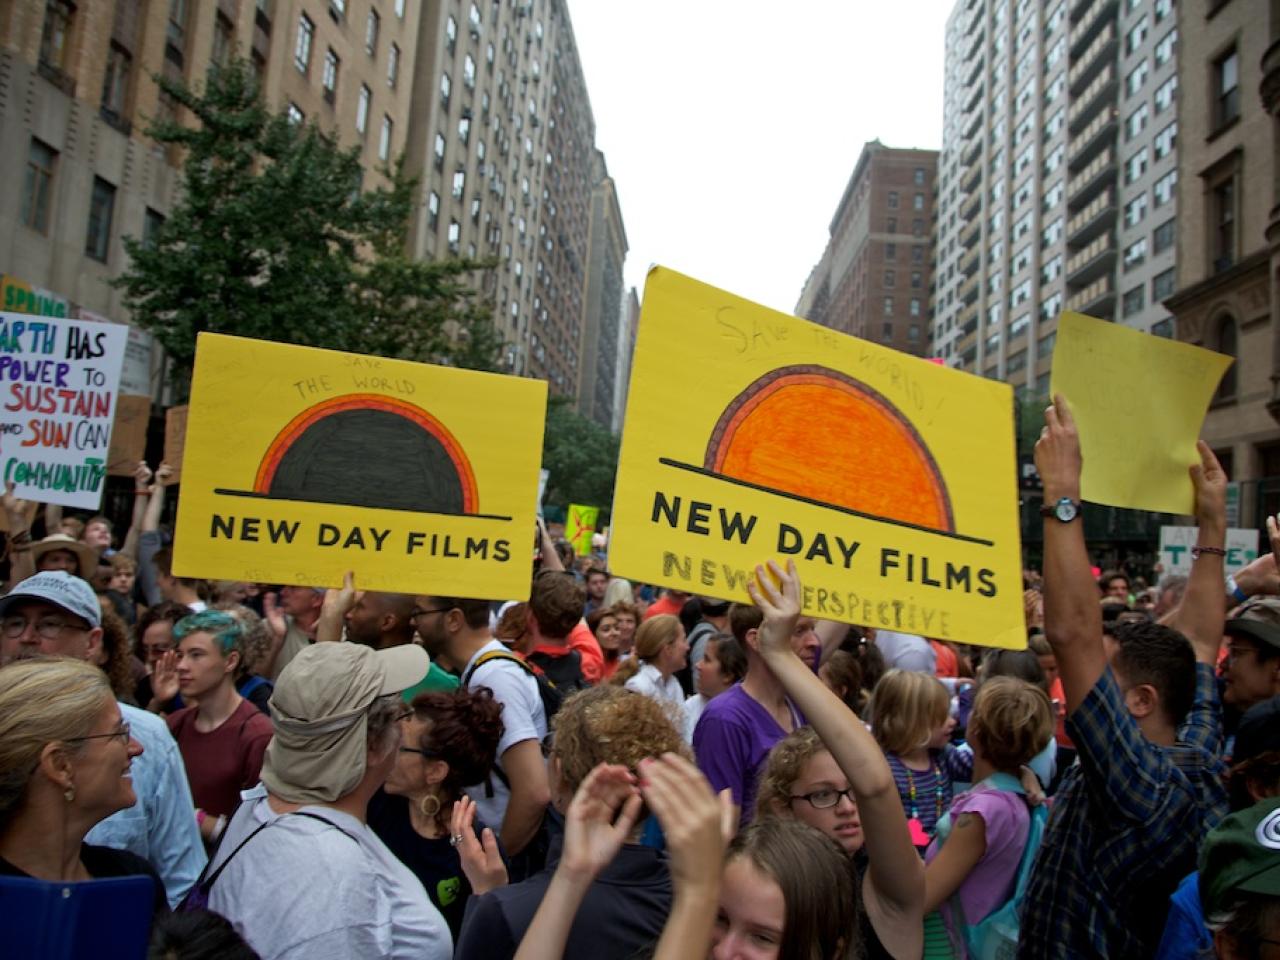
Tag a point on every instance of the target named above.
point(72, 527)
point(1155, 669)
point(124, 572)
point(229, 591)
point(1146, 600)
point(582, 564)
point(842, 674)
point(564, 550)
point(210, 652)
point(660, 641)
point(1114, 584)
point(52, 614)
point(197, 935)
point(335, 712)
point(555, 607)
point(690, 614)
point(97, 533)
point(607, 724)
point(1033, 608)
point(1023, 664)
point(744, 624)
point(802, 780)
point(449, 743)
point(380, 619)
point(61, 552)
point(1112, 609)
point(787, 891)
point(912, 712)
point(1172, 588)
point(302, 603)
point(1240, 882)
point(723, 664)
point(510, 628)
point(618, 591)
point(1255, 764)
point(176, 589)
point(1133, 615)
point(870, 659)
point(155, 630)
point(114, 655)
point(255, 638)
point(65, 755)
point(1038, 644)
point(628, 617)
point(450, 626)
point(597, 582)
point(603, 622)
point(1011, 722)
point(1253, 663)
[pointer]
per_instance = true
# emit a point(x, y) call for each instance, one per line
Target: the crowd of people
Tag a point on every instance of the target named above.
point(602, 770)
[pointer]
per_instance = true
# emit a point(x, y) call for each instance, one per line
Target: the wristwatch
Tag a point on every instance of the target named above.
point(1064, 510)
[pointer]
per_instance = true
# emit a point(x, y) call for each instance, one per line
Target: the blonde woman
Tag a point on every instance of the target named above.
point(661, 649)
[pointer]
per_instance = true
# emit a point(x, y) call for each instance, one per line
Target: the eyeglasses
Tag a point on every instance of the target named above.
point(404, 714)
point(415, 613)
point(421, 753)
point(122, 734)
point(825, 799)
point(46, 628)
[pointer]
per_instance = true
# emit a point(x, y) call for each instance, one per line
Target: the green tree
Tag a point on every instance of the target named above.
point(581, 455)
point(274, 238)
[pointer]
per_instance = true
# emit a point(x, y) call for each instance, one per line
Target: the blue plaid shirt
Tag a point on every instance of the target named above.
point(1125, 828)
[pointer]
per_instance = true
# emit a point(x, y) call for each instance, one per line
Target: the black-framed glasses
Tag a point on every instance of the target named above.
point(825, 799)
point(415, 613)
point(46, 628)
point(121, 734)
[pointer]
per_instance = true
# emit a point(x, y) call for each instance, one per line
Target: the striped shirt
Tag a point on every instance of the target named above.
point(1126, 827)
point(932, 788)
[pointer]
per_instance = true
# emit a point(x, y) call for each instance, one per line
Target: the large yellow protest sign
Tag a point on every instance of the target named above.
point(751, 434)
point(1139, 402)
point(300, 464)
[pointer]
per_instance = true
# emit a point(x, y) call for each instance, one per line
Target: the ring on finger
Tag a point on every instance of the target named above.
point(455, 840)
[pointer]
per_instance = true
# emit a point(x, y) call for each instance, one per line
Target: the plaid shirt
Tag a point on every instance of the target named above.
point(1126, 827)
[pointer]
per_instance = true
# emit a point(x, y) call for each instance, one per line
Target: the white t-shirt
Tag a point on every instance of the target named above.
point(693, 707)
point(523, 718)
point(648, 680)
point(306, 890)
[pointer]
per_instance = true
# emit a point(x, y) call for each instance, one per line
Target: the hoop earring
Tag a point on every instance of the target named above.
point(429, 806)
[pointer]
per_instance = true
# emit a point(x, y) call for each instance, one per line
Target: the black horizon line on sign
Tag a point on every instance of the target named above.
point(703, 471)
point(255, 495)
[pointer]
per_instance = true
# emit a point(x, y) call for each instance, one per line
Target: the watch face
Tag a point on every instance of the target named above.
point(1065, 510)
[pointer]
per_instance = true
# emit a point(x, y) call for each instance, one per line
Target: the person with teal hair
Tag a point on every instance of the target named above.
point(223, 736)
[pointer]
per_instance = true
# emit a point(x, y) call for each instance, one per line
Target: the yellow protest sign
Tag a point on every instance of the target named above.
point(1139, 402)
point(890, 481)
point(580, 524)
point(300, 464)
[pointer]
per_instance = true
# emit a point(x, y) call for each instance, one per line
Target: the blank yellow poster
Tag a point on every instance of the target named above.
point(750, 434)
point(1139, 402)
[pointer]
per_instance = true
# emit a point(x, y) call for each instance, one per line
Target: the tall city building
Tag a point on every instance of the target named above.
point(1228, 298)
point(1057, 177)
point(602, 330)
point(874, 277)
point(502, 139)
point(77, 92)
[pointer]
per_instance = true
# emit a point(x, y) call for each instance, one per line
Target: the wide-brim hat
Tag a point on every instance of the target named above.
point(86, 556)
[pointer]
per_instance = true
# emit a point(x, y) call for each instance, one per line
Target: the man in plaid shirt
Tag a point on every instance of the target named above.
point(1145, 718)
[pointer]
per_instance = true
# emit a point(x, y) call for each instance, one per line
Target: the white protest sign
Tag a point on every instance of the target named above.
point(59, 381)
point(1176, 544)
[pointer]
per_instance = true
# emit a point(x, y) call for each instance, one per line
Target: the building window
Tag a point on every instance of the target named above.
point(384, 139)
point(450, 33)
point(455, 235)
point(1137, 34)
point(1166, 140)
point(1135, 254)
point(1163, 9)
point(446, 88)
point(37, 187)
point(1163, 328)
point(1227, 343)
point(1226, 88)
point(152, 224)
point(917, 254)
point(439, 151)
point(1163, 284)
point(919, 176)
point(337, 9)
point(917, 227)
point(1162, 238)
point(296, 116)
point(393, 65)
point(1164, 49)
point(893, 199)
point(1137, 77)
point(55, 39)
point(1162, 192)
point(329, 79)
point(888, 306)
point(459, 183)
point(372, 25)
point(362, 108)
point(399, 8)
point(1134, 301)
point(302, 48)
point(464, 130)
point(433, 209)
point(1135, 166)
point(1136, 122)
point(1222, 209)
point(917, 202)
point(223, 39)
point(469, 72)
point(102, 205)
point(1165, 94)
point(1135, 210)
point(175, 43)
point(915, 279)
point(915, 306)
point(891, 225)
point(891, 251)
point(888, 278)
point(115, 83)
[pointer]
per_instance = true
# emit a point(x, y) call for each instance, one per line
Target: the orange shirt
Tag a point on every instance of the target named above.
point(947, 663)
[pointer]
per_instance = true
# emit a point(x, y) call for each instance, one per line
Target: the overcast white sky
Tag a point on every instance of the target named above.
point(731, 126)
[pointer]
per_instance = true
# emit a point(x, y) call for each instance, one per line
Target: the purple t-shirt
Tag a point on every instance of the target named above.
point(990, 884)
point(731, 741)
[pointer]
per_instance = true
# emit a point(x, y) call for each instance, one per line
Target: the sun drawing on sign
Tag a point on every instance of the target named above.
point(818, 435)
point(367, 450)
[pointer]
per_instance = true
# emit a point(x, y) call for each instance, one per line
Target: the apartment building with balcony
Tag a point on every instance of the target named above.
point(874, 277)
point(1056, 177)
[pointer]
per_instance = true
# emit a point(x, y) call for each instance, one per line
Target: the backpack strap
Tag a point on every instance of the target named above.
point(489, 658)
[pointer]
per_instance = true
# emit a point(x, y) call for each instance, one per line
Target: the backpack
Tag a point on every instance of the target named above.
point(995, 937)
point(564, 672)
point(548, 693)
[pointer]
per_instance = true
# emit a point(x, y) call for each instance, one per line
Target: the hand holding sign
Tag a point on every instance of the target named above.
point(1058, 457)
point(1210, 482)
point(777, 593)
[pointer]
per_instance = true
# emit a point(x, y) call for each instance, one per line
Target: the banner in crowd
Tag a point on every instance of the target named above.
point(579, 525)
point(59, 381)
point(129, 435)
point(1176, 544)
point(175, 439)
point(301, 464)
point(891, 481)
point(1139, 402)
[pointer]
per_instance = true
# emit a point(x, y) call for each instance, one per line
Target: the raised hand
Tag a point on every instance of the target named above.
point(599, 820)
point(337, 603)
point(15, 507)
point(164, 678)
point(1210, 482)
point(693, 818)
point(481, 861)
point(1057, 453)
point(777, 593)
point(164, 475)
point(142, 477)
point(274, 616)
